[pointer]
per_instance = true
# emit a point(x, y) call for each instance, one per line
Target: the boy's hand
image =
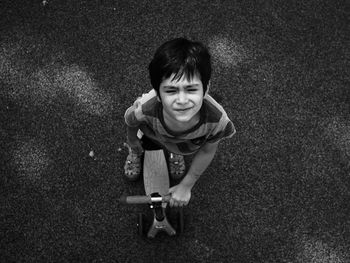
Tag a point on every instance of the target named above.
point(180, 195)
point(138, 110)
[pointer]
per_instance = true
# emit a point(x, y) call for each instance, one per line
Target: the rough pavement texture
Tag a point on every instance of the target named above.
point(276, 192)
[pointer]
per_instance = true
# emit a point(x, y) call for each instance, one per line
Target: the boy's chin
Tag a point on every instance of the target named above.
point(184, 119)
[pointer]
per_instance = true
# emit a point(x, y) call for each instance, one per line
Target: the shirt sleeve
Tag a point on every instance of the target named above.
point(134, 115)
point(130, 117)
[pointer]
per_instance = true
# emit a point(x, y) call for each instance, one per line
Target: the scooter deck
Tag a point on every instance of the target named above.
point(155, 173)
point(156, 180)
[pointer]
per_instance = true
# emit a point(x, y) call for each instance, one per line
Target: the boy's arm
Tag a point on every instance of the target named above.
point(134, 115)
point(132, 139)
point(181, 193)
point(200, 162)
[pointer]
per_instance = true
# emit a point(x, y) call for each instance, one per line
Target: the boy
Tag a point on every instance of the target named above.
point(178, 115)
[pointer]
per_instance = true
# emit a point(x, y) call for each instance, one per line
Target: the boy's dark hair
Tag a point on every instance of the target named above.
point(181, 57)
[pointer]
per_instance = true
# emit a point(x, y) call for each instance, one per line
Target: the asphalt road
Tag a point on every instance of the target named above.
point(278, 191)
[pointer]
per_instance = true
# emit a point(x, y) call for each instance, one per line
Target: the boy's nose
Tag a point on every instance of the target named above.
point(182, 98)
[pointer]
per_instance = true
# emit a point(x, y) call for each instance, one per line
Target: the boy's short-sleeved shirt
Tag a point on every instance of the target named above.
point(214, 125)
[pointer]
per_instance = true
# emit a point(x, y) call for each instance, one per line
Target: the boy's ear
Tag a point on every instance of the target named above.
point(157, 95)
point(208, 87)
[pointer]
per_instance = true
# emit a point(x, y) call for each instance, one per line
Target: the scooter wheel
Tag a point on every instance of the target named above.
point(180, 220)
point(140, 224)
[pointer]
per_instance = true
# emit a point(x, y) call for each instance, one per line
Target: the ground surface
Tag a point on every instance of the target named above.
point(276, 192)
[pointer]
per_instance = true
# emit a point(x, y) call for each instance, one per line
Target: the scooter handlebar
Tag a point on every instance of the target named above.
point(144, 199)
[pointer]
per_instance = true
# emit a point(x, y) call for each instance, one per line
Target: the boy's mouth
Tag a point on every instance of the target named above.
point(183, 110)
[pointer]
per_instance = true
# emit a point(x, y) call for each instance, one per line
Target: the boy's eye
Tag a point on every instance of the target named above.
point(170, 91)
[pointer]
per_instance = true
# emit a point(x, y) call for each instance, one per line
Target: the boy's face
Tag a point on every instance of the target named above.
point(182, 99)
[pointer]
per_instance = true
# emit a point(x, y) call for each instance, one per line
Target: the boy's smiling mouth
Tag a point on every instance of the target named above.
point(183, 110)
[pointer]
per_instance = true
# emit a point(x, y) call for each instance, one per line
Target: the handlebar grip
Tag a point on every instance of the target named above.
point(137, 199)
point(144, 199)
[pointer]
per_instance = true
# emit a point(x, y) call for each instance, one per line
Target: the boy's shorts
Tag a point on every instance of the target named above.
point(147, 143)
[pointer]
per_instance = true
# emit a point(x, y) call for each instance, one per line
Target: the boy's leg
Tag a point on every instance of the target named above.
point(176, 162)
point(133, 163)
point(177, 166)
point(132, 166)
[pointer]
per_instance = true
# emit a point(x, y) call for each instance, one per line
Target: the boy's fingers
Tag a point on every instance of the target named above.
point(137, 102)
point(171, 190)
point(177, 204)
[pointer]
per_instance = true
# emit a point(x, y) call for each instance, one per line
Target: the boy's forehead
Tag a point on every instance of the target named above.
point(184, 78)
